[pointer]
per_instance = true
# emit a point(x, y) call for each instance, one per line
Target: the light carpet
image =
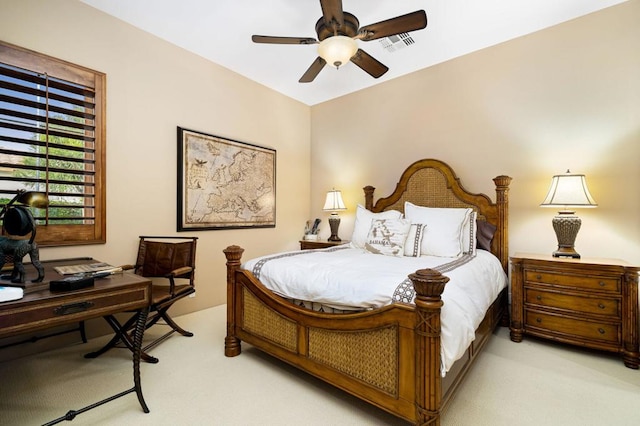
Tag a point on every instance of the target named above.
point(528, 383)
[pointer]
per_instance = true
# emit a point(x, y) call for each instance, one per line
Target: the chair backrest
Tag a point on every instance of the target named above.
point(158, 256)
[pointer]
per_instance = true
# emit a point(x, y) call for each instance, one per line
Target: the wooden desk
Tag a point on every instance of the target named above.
point(42, 309)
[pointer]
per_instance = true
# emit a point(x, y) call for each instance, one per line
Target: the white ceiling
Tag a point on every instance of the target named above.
point(221, 32)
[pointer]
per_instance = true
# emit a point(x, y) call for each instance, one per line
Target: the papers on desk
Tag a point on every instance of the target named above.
point(10, 293)
point(87, 268)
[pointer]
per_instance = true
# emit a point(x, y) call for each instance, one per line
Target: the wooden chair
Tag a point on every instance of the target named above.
point(170, 263)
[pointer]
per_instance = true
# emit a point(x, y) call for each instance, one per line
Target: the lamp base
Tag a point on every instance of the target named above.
point(334, 224)
point(566, 224)
point(566, 252)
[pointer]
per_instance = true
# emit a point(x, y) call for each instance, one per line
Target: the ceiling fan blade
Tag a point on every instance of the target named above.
point(283, 40)
point(369, 64)
point(400, 24)
point(332, 11)
point(311, 73)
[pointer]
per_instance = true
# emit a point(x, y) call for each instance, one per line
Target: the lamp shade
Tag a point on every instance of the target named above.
point(337, 50)
point(334, 201)
point(569, 191)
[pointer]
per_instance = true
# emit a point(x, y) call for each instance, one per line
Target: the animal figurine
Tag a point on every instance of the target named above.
point(17, 249)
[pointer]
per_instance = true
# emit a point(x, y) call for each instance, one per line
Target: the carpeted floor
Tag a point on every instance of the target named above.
point(530, 383)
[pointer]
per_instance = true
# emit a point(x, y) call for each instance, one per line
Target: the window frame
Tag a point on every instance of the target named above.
point(71, 234)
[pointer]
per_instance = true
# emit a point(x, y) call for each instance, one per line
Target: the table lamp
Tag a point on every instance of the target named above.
point(568, 192)
point(334, 203)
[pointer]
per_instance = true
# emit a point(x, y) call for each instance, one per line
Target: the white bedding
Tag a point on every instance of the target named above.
point(350, 278)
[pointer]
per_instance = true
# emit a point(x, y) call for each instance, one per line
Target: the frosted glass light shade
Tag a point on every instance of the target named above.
point(337, 50)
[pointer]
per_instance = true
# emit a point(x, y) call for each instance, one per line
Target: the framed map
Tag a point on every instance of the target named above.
point(224, 184)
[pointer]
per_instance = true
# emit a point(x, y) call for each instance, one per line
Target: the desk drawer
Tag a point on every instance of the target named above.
point(82, 306)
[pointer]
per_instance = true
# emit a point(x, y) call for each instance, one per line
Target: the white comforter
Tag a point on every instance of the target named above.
point(351, 277)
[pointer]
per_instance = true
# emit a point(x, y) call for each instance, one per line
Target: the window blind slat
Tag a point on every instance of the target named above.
point(44, 131)
point(36, 78)
point(84, 114)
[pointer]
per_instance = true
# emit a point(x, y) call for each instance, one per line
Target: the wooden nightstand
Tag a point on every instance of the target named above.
point(585, 302)
point(318, 244)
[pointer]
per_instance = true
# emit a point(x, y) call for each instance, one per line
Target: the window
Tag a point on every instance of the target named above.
point(52, 139)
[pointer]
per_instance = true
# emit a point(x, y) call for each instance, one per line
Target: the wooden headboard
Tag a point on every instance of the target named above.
point(433, 183)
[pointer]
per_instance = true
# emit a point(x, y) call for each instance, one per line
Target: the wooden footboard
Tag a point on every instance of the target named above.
point(389, 357)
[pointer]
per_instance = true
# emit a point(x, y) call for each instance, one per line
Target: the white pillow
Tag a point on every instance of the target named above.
point(363, 223)
point(443, 236)
point(387, 236)
point(469, 234)
point(413, 245)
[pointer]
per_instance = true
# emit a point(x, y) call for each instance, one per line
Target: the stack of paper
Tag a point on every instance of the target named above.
point(87, 268)
point(10, 293)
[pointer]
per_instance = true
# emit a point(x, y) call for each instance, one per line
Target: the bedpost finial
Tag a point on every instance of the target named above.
point(428, 283)
point(502, 181)
point(233, 253)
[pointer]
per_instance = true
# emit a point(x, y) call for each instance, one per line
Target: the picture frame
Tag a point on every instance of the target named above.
point(224, 183)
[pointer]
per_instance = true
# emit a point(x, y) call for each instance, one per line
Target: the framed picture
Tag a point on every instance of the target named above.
point(224, 184)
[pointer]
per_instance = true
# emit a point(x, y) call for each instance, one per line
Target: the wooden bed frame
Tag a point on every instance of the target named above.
point(389, 357)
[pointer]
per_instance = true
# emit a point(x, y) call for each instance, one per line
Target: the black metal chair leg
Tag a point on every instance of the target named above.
point(121, 335)
point(83, 332)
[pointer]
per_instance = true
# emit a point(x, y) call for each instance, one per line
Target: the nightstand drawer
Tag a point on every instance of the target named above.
point(609, 284)
point(589, 305)
point(572, 327)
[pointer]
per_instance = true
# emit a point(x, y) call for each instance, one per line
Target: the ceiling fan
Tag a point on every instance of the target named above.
point(337, 34)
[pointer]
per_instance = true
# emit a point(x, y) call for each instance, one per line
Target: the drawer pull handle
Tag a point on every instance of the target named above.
point(602, 283)
point(72, 308)
point(538, 320)
point(601, 330)
point(601, 305)
point(538, 297)
point(538, 277)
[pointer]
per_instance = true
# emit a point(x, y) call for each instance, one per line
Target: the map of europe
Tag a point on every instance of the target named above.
point(227, 183)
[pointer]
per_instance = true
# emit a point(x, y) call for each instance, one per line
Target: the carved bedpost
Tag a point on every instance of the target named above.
point(429, 285)
point(502, 200)
point(368, 197)
point(231, 342)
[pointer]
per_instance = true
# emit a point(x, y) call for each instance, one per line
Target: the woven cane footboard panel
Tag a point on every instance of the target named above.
point(370, 356)
point(259, 320)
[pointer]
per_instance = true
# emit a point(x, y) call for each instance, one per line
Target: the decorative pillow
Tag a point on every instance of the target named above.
point(443, 236)
point(469, 232)
point(363, 224)
point(387, 236)
point(413, 244)
point(485, 234)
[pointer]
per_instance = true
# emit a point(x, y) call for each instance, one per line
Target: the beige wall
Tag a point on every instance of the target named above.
point(565, 97)
point(153, 87)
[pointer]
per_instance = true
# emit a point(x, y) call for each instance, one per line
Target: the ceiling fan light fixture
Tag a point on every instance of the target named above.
point(337, 50)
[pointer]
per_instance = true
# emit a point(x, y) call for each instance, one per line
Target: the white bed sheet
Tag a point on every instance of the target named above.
point(350, 278)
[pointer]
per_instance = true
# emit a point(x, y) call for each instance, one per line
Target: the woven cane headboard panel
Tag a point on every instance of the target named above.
point(432, 183)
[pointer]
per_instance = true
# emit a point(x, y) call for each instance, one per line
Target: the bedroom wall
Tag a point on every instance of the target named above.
point(141, 133)
point(565, 97)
